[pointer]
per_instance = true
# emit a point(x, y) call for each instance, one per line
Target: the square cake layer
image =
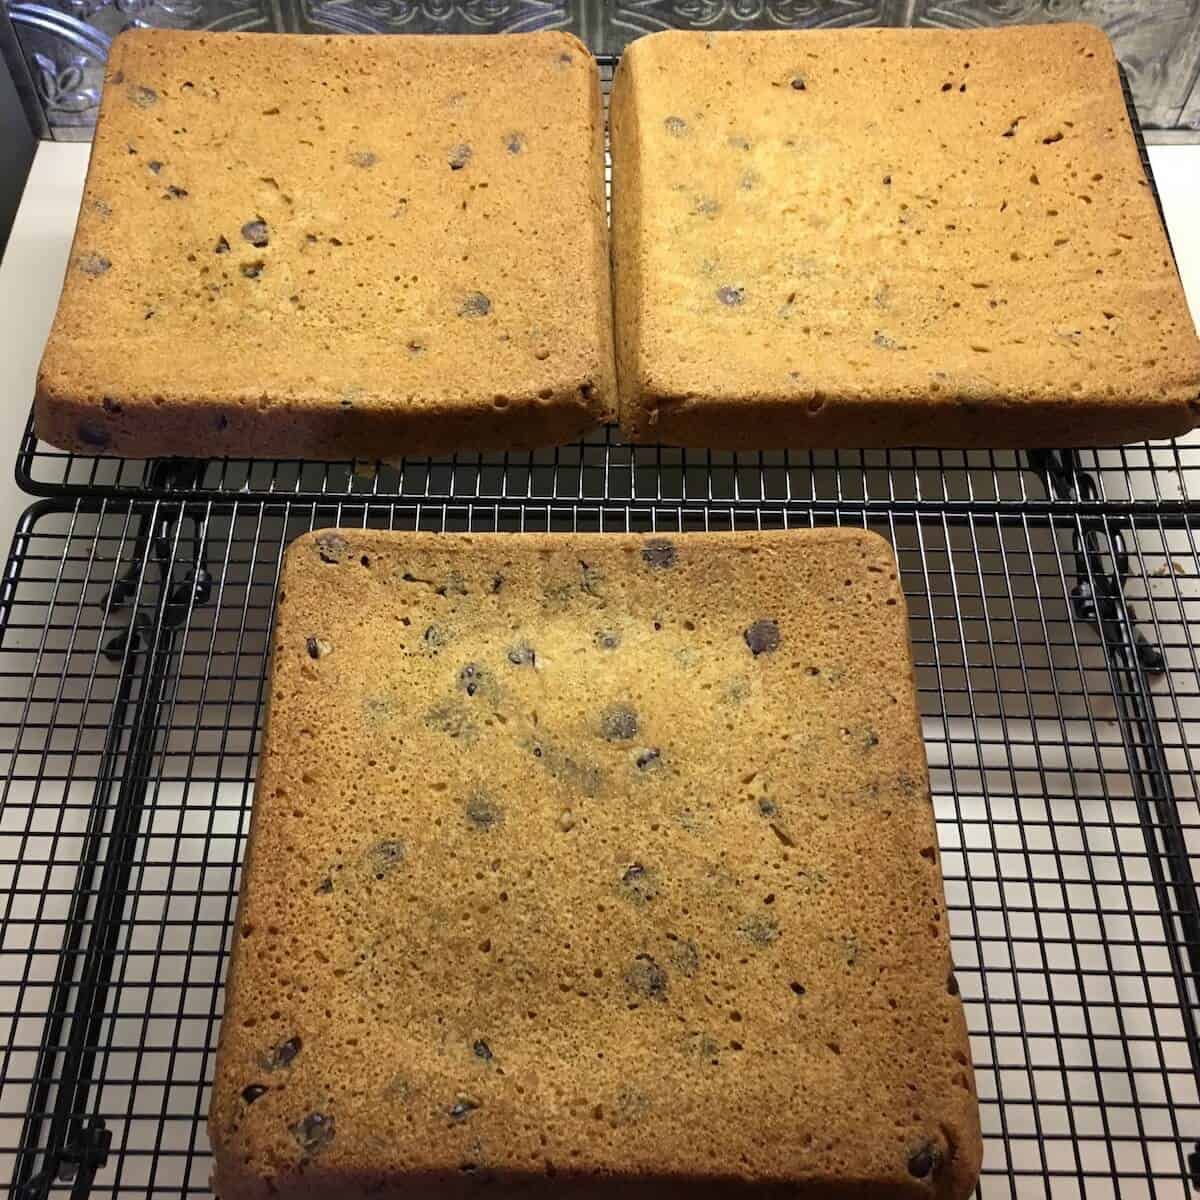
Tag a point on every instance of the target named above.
point(581, 863)
point(883, 237)
point(336, 247)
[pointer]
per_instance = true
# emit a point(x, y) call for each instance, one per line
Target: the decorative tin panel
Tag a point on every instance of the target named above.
point(628, 19)
point(1190, 117)
point(66, 44)
point(1158, 41)
point(433, 16)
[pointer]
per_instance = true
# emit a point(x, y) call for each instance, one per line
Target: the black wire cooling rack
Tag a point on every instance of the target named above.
point(1054, 600)
point(134, 657)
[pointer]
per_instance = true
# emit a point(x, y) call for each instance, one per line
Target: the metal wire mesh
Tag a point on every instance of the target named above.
point(129, 763)
point(600, 468)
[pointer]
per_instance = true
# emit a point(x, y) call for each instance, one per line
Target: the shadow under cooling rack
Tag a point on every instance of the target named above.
point(132, 676)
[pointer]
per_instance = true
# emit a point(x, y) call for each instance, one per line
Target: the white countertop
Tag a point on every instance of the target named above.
point(32, 270)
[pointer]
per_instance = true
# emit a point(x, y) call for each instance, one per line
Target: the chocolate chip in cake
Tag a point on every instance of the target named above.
point(759, 930)
point(93, 435)
point(471, 678)
point(317, 647)
point(579, 776)
point(253, 270)
point(459, 157)
point(762, 637)
point(676, 126)
point(483, 813)
point(952, 984)
point(639, 884)
point(607, 639)
point(253, 1091)
point(324, 887)
point(522, 655)
point(924, 1161)
point(378, 709)
point(155, 165)
point(632, 1106)
point(142, 96)
point(798, 83)
point(767, 807)
point(475, 304)
point(256, 232)
point(730, 295)
point(455, 585)
point(591, 579)
point(483, 1050)
point(659, 554)
point(364, 159)
point(282, 1055)
point(433, 637)
point(174, 192)
point(384, 857)
point(619, 723)
point(332, 547)
point(313, 1132)
point(648, 759)
point(222, 246)
point(514, 143)
point(92, 264)
point(462, 1108)
point(646, 978)
point(685, 956)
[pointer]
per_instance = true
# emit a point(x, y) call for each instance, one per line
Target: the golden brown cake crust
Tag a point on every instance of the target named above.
point(592, 863)
point(890, 237)
point(336, 247)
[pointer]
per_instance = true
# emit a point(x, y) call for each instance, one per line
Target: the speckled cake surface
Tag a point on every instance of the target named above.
point(334, 247)
point(890, 237)
point(582, 864)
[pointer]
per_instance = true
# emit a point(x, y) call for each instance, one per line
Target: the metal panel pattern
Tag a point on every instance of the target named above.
point(628, 19)
point(1189, 119)
point(65, 42)
point(1158, 41)
point(433, 16)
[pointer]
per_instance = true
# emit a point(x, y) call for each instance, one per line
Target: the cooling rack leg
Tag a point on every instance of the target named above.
point(1098, 597)
point(27, 1185)
point(77, 1144)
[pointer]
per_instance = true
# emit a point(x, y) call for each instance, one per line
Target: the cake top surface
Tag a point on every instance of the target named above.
point(897, 213)
point(594, 854)
point(338, 219)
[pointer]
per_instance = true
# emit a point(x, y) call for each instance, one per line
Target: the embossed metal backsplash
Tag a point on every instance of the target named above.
point(63, 43)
